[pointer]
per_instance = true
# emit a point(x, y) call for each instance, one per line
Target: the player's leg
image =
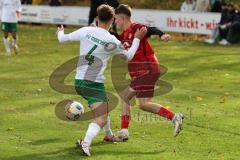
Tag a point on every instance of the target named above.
point(96, 96)
point(109, 136)
point(100, 113)
point(126, 97)
point(6, 44)
point(14, 36)
point(107, 128)
point(123, 134)
point(145, 88)
point(6, 28)
point(147, 105)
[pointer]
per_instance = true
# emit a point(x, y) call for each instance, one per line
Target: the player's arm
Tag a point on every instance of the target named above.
point(1, 5)
point(129, 54)
point(19, 9)
point(74, 36)
point(156, 31)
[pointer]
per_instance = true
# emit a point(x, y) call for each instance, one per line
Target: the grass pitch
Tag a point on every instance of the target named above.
point(206, 89)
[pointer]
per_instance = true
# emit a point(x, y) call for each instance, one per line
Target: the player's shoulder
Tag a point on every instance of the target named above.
point(87, 28)
point(136, 25)
point(94, 29)
point(114, 39)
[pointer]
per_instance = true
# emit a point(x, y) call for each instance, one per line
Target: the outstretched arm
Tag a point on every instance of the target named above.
point(156, 31)
point(61, 36)
point(74, 36)
point(18, 8)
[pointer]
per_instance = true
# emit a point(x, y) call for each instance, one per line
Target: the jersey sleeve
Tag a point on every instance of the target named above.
point(137, 26)
point(74, 36)
point(1, 5)
point(154, 31)
point(121, 51)
point(150, 30)
point(18, 6)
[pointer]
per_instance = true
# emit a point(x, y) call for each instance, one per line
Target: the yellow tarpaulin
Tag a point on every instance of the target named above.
point(35, 2)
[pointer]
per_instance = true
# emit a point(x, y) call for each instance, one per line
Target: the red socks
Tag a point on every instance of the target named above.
point(125, 119)
point(166, 113)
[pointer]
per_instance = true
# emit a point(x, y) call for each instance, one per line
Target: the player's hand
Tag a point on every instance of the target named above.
point(60, 29)
point(166, 37)
point(140, 33)
point(228, 25)
point(18, 14)
point(223, 26)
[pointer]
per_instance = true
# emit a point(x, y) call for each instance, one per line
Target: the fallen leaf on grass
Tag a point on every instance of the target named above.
point(10, 129)
point(223, 99)
point(199, 99)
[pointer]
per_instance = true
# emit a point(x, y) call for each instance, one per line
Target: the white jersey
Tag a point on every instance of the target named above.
point(8, 10)
point(97, 45)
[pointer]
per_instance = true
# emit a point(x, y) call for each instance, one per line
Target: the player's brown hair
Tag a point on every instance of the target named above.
point(124, 9)
point(230, 5)
point(105, 13)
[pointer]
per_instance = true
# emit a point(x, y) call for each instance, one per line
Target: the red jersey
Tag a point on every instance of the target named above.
point(145, 53)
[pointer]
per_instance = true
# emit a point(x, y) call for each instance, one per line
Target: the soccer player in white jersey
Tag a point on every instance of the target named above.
point(11, 10)
point(97, 45)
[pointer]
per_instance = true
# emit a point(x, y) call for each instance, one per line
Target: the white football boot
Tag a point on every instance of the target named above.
point(84, 147)
point(123, 134)
point(178, 123)
point(16, 48)
point(210, 41)
point(224, 42)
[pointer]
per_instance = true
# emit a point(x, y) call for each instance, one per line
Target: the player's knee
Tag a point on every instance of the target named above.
point(143, 106)
point(125, 98)
point(101, 121)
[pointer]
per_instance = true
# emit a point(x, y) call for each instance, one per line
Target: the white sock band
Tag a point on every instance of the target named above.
point(93, 130)
point(107, 128)
point(6, 44)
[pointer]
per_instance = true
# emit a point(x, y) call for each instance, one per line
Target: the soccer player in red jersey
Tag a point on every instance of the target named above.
point(144, 70)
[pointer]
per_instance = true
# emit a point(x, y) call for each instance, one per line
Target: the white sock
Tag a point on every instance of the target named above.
point(107, 128)
point(14, 42)
point(6, 44)
point(93, 130)
point(124, 130)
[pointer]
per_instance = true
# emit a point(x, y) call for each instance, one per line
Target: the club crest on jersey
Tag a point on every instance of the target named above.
point(130, 36)
point(110, 46)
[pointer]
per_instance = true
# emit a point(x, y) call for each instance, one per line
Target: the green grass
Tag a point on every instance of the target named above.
point(206, 84)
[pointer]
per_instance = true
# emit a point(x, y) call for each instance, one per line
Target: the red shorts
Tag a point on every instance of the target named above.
point(144, 77)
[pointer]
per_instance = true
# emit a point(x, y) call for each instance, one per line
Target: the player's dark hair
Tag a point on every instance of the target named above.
point(124, 9)
point(230, 5)
point(105, 13)
point(224, 4)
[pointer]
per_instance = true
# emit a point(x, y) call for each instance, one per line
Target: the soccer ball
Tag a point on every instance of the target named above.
point(74, 110)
